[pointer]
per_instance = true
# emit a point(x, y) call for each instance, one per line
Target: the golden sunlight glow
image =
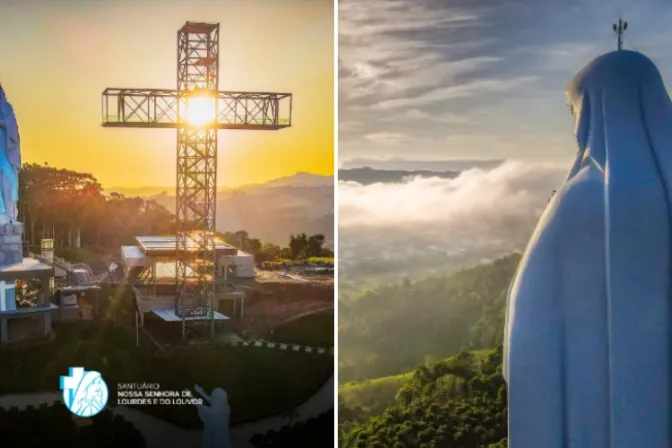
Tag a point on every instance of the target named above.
point(139, 161)
point(200, 110)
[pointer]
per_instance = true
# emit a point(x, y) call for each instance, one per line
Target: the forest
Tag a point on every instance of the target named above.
point(435, 381)
point(393, 328)
point(459, 402)
point(300, 246)
point(73, 209)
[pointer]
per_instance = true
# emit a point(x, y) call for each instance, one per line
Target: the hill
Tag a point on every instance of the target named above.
point(421, 165)
point(393, 328)
point(299, 180)
point(456, 402)
point(372, 397)
point(302, 203)
point(368, 176)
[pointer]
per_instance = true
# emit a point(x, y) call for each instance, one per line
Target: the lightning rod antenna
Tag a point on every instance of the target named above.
point(619, 30)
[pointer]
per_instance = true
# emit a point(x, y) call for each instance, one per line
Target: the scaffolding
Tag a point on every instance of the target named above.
point(196, 177)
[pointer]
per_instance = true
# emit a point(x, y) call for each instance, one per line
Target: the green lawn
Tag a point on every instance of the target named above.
point(315, 330)
point(257, 380)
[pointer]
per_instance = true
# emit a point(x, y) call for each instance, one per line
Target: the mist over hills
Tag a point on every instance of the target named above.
point(270, 211)
point(423, 226)
point(368, 176)
point(398, 164)
point(425, 262)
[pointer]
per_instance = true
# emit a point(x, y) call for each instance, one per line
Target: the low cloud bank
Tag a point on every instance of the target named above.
point(503, 202)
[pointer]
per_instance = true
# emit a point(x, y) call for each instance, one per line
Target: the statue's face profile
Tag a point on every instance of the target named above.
point(618, 79)
point(620, 73)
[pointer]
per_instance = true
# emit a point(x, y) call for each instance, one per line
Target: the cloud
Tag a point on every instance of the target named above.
point(391, 47)
point(387, 138)
point(453, 92)
point(500, 203)
point(349, 126)
point(417, 115)
point(366, 18)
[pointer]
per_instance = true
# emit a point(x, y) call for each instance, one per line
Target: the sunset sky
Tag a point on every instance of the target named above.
point(465, 79)
point(59, 55)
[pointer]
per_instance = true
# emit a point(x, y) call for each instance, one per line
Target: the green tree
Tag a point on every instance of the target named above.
point(70, 208)
point(298, 245)
point(314, 245)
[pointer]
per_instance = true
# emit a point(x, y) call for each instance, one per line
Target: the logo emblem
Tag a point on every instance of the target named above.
point(85, 393)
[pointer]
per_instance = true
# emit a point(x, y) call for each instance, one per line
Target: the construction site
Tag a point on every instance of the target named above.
point(189, 286)
point(247, 301)
point(192, 284)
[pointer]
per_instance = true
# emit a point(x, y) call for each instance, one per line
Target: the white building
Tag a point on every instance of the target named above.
point(153, 258)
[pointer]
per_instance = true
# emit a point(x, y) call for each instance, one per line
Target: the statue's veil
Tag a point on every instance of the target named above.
point(622, 111)
point(624, 127)
point(8, 118)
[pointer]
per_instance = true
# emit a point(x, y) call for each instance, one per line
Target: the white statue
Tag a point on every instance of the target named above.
point(588, 347)
point(215, 419)
point(10, 161)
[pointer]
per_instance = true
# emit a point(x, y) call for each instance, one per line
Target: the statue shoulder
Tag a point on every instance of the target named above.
point(581, 200)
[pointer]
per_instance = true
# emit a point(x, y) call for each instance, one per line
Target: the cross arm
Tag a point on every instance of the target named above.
point(158, 108)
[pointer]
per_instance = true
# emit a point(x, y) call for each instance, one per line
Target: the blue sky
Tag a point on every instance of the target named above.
point(469, 79)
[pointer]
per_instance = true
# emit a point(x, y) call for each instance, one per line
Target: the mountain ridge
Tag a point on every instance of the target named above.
point(298, 179)
point(369, 176)
point(272, 211)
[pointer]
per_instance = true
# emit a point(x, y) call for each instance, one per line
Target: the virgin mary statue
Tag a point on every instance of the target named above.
point(587, 339)
point(215, 419)
point(10, 161)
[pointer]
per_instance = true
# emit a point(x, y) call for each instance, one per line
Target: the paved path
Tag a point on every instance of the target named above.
point(160, 434)
point(316, 405)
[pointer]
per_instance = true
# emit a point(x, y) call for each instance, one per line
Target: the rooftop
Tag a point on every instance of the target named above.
point(165, 246)
point(199, 27)
point(29, 310)
point(28, 269)
point(168, 315)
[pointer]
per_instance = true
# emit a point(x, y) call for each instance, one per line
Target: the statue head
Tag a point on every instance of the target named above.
point(220, 400)
point(617, 79)
point(616, 99)
point(11, 145)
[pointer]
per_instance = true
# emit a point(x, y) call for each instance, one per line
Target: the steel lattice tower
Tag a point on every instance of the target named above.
point(195, 264)
point(196, 180)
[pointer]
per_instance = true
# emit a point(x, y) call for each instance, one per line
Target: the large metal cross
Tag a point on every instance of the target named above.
point(197, 109)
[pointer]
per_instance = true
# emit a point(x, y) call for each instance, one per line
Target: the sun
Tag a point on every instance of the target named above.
point(200, 110)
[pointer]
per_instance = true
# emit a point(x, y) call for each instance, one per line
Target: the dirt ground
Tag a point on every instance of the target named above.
point(271, 298)
point(274, 298)
point(294, 278)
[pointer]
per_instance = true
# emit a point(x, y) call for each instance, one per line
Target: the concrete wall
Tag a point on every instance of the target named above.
point(244, 266)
